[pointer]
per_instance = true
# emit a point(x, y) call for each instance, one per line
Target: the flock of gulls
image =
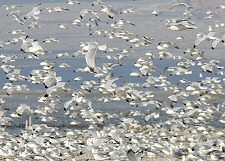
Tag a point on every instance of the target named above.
point(173, 96)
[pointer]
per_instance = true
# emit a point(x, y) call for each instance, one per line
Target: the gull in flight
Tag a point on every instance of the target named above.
point(32, 46)
point(134, 156)
point(87, 11)
point(97, 2)
point(188, 7)
point(34, 13)
point(165, 45)
point(56, 9)
point(72, 2)
point(202, 37)
point(17, 18)
point(183, 25)
point(109, 11)
point(90, 51)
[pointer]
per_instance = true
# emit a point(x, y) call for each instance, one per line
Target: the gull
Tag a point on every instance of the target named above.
point(180, 37)
point(1, 102)
point(5, 121)
point(34, 13)
point(118, 58)
point(60, 55)
point(77, 99)
point(222, 119)
point(87, 11)
point(177, 21)
point(63, 26)
point(10, 88)
point(78, 78)
point(165, 45)
point(30, 45)
point(11, 7)
point(211, 66)
point(180, 26)
point(16, 32)
point(26, 42)
point(51, 40)
point(15, 75)
point(128, 10)
point(155, 12)
point(108, 84)
point(147, 39)
point(216, 41)
point(87, 85)
point(91, 49)
point(48, 119)
point(97, 2)
point(127, 51)
point(57, 9)
point(179, 70)
point(77, 21)
point(51, 78)
point(24, 109)
point(134, 156)
point(57, 87)
point(90, 55)
point(120, 23)
point(7, 68)
point(34, 24)
point(64, 65)
point(33, 46)
point(36, 49)
point(8, 58)
point(109, 11)
point(18, 18)
point(201, 37)
point(2, 43)
point(92, 22)
point(72, 2)
point(181, 4)
point(47, 64)
point(187, 10)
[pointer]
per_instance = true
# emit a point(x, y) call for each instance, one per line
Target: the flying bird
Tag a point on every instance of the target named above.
point(91, 49)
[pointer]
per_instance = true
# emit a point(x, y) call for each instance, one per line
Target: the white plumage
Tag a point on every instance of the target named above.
point(90, 55)
point(90, 51)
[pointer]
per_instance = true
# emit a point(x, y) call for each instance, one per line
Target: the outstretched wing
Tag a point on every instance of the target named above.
point(90, 55)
